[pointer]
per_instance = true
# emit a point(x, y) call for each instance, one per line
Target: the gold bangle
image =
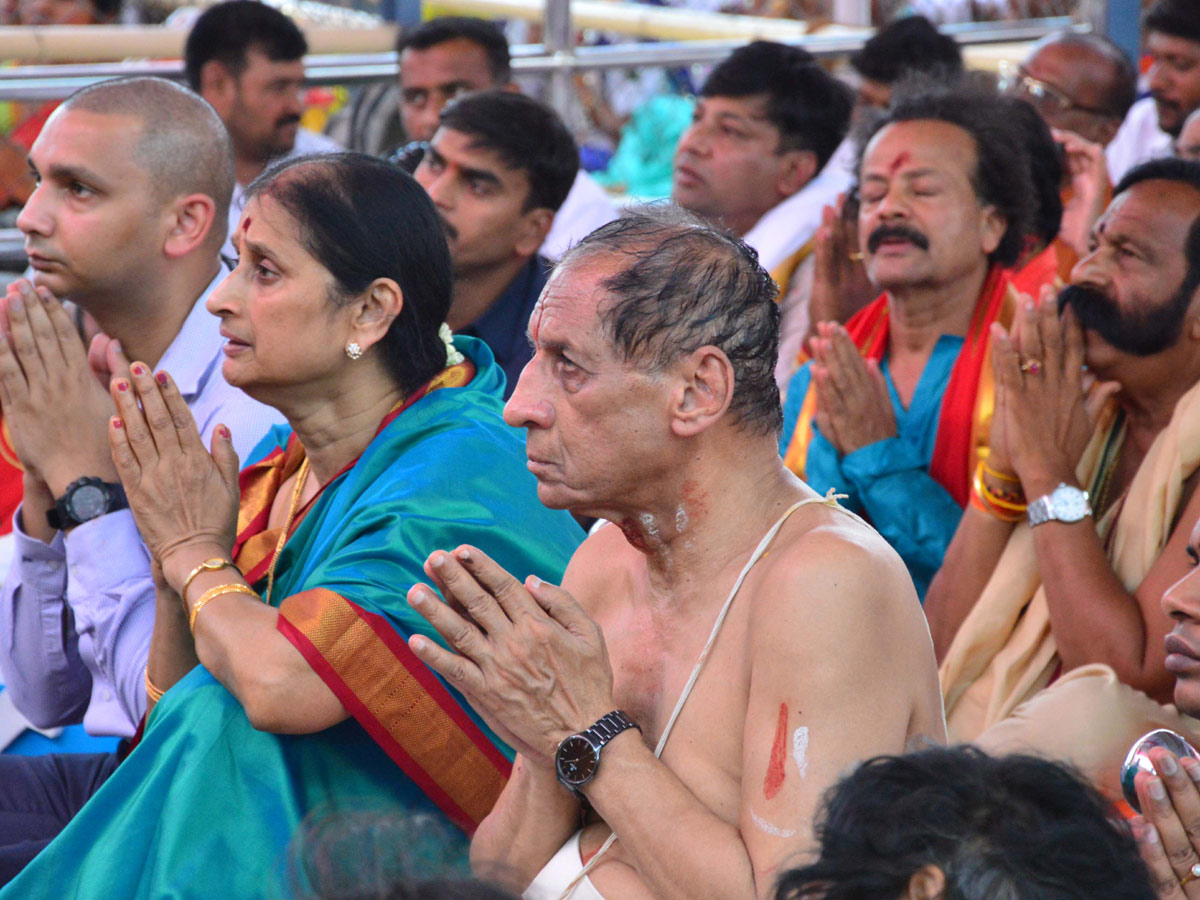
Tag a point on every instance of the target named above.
point(151, 691)
point(211, 593)
point(209, 565)
point(1000, 476)
point(989, 497)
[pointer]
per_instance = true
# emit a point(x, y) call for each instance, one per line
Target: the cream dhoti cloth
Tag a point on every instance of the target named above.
point(995, 675)
point(565, 876)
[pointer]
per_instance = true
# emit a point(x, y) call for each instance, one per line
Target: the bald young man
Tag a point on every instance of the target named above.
point(134, 180)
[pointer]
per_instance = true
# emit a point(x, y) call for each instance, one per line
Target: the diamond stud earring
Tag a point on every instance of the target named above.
point(353, 350)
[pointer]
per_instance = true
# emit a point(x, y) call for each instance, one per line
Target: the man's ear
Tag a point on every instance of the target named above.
point(191, 221)
point(704, 393)
point(218, 86)
point(927, 883)
point(992, 227)
point(375, 310)
point(534, 226)
point(798, 168)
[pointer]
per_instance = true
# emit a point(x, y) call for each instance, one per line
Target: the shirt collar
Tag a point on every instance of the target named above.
point(191, 356)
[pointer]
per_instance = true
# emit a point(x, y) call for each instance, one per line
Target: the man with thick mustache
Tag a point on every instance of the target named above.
point(1047, 613)
point(1172, 43)
point(888, 410)
point(246, 59)
point(498, 168)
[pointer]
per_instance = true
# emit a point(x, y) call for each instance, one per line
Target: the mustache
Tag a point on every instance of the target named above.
point(451, 231)
point(289, 119)
point(1139, 333)
point(906, 232)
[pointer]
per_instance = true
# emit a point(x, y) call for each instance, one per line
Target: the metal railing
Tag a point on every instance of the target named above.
point(54, 82)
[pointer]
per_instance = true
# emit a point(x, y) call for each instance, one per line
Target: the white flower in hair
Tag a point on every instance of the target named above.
point(453, 357)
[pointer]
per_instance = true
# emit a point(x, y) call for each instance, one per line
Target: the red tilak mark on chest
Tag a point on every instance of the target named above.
point(775, 772)
point(898, 162)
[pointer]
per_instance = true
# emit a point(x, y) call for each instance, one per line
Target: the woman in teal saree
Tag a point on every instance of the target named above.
point(279, 675)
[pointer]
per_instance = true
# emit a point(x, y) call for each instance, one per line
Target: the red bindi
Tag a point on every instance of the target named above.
point(775, 771)
point(898, 162)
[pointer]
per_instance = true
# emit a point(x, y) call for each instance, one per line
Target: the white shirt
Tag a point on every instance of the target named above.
point(308, 143)
point(1138, 140)
point(587, 207)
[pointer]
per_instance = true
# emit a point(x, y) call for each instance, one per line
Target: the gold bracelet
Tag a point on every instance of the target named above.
point(999, 476)
point(231, 588)
point(209, 565)
point(989, 497)
point(151, 691)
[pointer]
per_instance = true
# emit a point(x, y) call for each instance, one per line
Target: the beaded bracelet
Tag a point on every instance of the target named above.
point(212, 593)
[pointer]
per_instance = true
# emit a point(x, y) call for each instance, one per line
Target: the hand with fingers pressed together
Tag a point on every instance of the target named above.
point(55, 409)
point(1042, 423)
point(526, 656)
point(1168, 831)
point(854, 406)
point(840, 286)
point(184, 498)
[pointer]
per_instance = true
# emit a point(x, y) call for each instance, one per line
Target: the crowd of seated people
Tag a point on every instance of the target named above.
point(887, 422)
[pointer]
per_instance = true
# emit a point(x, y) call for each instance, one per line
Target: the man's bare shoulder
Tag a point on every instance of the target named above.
point(601, 561)
point(829, 568)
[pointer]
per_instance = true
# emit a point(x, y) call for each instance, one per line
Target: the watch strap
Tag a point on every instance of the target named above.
point(60, 517)
point(1042, 510)
point(607, 727)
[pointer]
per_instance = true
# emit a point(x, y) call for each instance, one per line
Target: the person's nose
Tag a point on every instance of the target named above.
point(1181, 601)
point(695, 140)
point(528, 407)
point(1090, 271)
point(36, 217)
point(224, 299)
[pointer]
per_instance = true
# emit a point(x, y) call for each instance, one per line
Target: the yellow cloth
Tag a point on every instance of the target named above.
point(1004, 652)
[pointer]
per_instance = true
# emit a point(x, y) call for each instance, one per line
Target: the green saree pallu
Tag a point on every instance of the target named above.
point(205, 805)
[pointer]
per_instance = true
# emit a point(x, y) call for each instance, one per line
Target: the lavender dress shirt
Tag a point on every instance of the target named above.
point(76, 614)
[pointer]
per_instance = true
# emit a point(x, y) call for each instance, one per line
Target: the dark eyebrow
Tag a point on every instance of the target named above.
point(257, 249)
point(75, 173)
point(481, 175)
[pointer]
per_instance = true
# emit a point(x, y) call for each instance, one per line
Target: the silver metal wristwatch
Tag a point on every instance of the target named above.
point(1064, 504)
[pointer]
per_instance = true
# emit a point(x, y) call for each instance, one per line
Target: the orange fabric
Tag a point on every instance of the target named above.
point(396, 698)
point(968, 401)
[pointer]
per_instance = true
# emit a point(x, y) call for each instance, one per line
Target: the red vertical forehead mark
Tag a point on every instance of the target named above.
point(775, 772)
point(246, 224)
point(898, 162)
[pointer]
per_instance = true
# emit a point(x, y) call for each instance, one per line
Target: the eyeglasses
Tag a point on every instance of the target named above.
point(1016, 81)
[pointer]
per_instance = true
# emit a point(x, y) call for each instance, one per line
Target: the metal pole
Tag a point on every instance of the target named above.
point(559, 41)
point(1121, 21)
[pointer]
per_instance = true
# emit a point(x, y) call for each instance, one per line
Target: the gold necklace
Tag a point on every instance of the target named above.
point(301, 478)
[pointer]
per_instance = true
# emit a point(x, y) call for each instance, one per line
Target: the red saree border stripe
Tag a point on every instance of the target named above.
point(458, 742)
point(424, 676)
point(374, 727)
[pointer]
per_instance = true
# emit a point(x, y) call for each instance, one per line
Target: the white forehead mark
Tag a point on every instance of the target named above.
point(800, 749)
point(767, 828)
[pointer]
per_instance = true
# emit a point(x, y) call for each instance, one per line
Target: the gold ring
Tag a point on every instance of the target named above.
point(1032, 367)
point(855, 256)
point(1192, 874)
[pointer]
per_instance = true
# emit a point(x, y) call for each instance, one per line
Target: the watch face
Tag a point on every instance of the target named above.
point(576, 760)
point(88, 502)
point(1069, 504)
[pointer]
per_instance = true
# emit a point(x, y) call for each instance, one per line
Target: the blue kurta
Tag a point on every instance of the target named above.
point(888, 482)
